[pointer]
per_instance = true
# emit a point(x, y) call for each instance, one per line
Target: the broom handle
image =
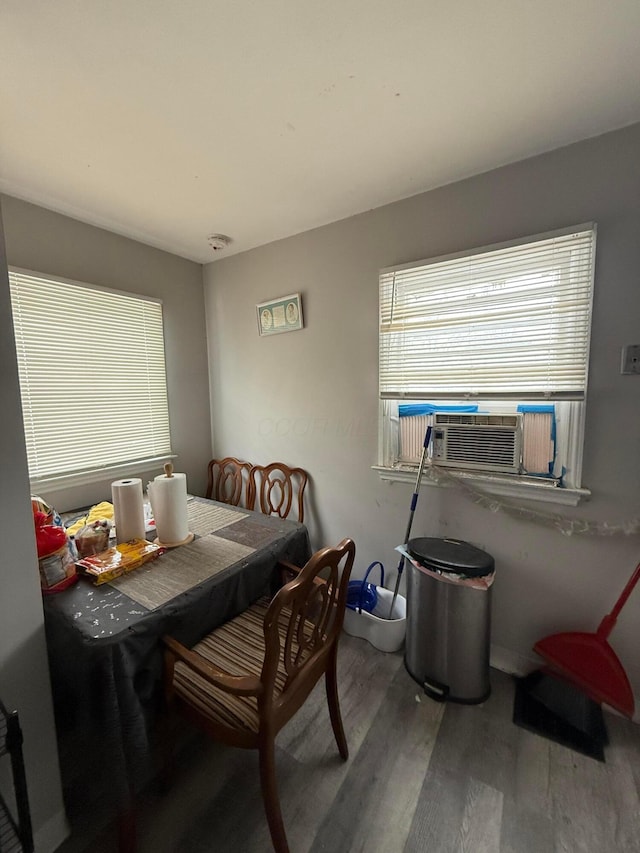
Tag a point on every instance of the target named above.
point(606, 626)
point(414, 501)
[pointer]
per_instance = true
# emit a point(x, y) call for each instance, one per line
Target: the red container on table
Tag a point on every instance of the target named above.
point(55, 561)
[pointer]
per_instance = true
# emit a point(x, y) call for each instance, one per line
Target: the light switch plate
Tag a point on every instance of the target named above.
point(630, 361)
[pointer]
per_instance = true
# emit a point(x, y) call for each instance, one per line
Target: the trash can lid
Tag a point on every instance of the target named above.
point(451, 555)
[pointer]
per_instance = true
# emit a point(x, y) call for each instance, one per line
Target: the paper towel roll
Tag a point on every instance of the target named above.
point(128, 509)
point(168, 495)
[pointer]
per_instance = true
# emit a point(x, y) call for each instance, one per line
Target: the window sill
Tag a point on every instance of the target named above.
point(491, 484)
point(115, 472)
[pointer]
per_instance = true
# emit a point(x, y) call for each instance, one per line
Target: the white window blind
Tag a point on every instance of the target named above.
point(505, 322)
point(92, 375)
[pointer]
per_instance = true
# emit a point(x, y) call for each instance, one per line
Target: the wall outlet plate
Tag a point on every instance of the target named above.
point(630, 361)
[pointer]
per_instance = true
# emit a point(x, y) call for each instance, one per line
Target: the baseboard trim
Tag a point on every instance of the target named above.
point(511, 662)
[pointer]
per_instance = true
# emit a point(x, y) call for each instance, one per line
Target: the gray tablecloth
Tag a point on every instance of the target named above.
point(105, 654)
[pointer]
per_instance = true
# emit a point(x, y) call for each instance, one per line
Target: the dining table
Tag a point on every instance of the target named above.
point(105, 642)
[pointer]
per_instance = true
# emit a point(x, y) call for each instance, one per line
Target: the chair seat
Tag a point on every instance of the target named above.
point(237, 648)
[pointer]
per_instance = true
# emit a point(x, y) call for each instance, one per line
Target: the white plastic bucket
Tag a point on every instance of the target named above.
point(383, 633)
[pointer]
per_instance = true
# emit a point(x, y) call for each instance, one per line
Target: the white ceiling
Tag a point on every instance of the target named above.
point(170, 120)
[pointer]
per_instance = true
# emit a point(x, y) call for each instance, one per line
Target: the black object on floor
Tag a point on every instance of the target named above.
point(557, 710)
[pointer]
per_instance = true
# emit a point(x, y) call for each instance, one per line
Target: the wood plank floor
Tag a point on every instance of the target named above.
point(422, 777)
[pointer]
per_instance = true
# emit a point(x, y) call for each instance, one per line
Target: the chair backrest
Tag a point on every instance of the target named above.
point(302, 627)
point(228, 481)
point(274, 489)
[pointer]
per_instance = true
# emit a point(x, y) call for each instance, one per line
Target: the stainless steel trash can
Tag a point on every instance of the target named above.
point(449, 586)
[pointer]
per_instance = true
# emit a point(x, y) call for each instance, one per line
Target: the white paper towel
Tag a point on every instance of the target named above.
point(128, 509)
point(168, 495)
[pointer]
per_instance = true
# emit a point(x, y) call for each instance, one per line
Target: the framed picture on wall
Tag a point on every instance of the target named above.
point(283, 314)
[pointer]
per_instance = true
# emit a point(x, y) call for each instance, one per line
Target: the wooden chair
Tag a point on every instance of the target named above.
point(274, 488)
point(228, 481)
point(246, 679)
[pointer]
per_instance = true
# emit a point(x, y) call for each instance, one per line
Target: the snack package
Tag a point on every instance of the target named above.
point(92, 538)
point(119, 560)
point(39, 504)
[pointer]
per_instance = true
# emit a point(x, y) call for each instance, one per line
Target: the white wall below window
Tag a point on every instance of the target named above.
point(309, 397)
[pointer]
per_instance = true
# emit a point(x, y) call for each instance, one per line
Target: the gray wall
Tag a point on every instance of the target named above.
point(310, 397)
point(46, 242)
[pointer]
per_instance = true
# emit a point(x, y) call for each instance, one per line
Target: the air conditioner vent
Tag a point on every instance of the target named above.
point(478, 441)
point(510, 421)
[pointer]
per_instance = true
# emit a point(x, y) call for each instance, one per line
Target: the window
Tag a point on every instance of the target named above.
point(502, 330)
point(92, 378)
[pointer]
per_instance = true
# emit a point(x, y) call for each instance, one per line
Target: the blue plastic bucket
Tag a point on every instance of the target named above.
point(362, 595)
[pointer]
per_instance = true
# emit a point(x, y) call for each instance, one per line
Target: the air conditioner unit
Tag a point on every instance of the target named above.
point(478, 442)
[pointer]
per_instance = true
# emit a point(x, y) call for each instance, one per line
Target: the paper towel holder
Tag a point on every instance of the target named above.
point(168, 472)
point(188, 538)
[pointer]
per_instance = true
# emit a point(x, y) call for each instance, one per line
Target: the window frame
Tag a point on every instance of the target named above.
point(510, 485)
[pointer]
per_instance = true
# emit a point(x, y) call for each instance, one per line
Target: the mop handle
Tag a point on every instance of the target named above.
point(414, 503)
point(606, 626)
point(414, 498)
